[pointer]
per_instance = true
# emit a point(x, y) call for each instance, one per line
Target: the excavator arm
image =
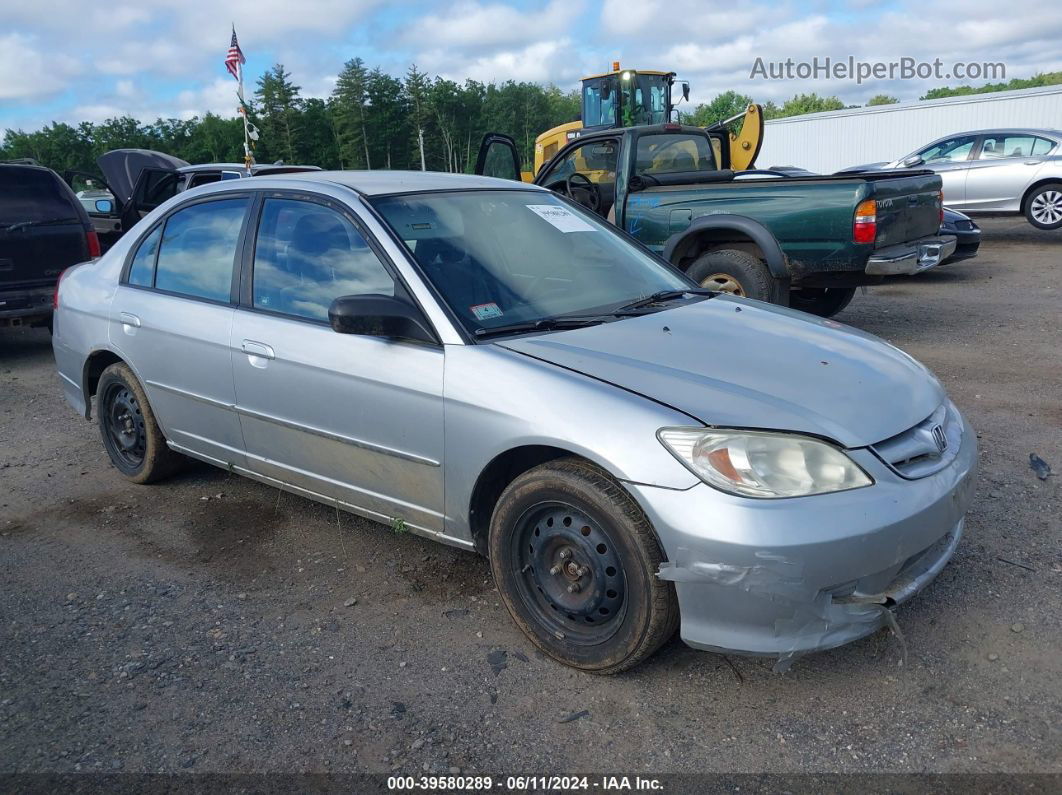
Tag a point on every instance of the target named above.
point(745, 144)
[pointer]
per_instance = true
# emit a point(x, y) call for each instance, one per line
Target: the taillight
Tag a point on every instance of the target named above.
point(55, 295)
point(93, 243)
point(865, 224)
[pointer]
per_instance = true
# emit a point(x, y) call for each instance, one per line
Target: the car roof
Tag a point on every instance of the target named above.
point(1043, 131)
point(257, 168)
point(378, 183)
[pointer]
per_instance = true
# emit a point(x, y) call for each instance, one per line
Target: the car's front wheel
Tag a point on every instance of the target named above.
point(575, 560)
point(131, 435)
point(1043, 209)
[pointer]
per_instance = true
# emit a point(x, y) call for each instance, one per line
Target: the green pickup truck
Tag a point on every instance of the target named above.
point(806, 241)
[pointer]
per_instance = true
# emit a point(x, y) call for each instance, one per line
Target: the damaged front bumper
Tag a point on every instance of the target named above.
point(790, 576)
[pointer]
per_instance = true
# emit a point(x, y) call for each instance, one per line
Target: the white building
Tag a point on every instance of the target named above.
point(826, 142)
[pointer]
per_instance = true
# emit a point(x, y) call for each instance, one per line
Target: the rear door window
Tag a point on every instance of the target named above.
point(997, 146)
point(199, 247)
point(33, 195)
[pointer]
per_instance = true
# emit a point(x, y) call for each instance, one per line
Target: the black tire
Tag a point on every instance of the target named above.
point(131, 435)
point(822, 301)
point(738, 273)
point(622, 612)
point(1043, 208)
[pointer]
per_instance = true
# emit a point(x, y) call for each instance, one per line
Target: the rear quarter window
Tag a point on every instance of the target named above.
point(34, 194)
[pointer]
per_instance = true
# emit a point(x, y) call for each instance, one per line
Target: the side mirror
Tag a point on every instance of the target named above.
point(912, 161)
point(379, 316)
point(686, 91)
point(104, 206)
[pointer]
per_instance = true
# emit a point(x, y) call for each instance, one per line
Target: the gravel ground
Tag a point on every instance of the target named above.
point(213, 624)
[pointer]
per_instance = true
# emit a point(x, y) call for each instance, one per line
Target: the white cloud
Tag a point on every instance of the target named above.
point(476, 25)
point(28, 70)
point(542, 62)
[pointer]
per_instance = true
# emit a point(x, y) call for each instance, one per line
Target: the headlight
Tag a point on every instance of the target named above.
point(762, 464)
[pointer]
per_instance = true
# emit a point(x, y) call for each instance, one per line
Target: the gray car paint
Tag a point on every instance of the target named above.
point(751, 575)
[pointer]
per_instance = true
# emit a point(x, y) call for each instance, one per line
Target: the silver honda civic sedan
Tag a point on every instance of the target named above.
point(484, 363)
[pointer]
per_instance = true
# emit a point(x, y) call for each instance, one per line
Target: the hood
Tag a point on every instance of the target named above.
point(744, 364)
point(121, 168)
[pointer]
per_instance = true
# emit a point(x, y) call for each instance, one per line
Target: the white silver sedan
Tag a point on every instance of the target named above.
point(1010, 171)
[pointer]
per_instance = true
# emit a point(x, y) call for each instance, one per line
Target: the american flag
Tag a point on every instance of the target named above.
point(235, 57)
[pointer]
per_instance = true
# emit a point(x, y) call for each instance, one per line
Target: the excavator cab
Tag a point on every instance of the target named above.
point(626, 98)
point(620, 98)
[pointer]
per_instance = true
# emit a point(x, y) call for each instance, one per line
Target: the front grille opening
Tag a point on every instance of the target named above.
point(925, 448)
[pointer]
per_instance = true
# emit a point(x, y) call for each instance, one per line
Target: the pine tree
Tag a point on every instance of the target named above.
point(417, 88)
point(350, 99)
point(278, 108)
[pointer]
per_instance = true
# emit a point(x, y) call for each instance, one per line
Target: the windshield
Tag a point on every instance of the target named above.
point(504, 257)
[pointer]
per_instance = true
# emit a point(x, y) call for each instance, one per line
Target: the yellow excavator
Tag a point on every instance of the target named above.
point(629, 97)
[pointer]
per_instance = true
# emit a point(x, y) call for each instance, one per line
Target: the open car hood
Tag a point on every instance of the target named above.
point(745, 364)
point(121, 168)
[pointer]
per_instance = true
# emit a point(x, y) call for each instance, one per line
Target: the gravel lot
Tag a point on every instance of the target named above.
point(210, 623)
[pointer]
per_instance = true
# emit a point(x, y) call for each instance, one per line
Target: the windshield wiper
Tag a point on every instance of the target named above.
point(663, 295)
point(27, 224)
point(544, 324)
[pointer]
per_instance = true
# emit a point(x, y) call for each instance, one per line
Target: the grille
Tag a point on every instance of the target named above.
point(926, 448)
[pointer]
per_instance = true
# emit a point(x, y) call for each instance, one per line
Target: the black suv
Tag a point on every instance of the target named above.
point(43, 230)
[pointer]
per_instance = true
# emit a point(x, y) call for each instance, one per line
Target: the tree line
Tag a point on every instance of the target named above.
point(375, 120)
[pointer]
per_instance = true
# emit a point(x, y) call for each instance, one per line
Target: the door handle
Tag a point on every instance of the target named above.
point(259, 349)
point(1033, 162)
point(129, 319)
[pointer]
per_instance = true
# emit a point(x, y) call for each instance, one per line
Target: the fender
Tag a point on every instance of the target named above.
point(759, 234)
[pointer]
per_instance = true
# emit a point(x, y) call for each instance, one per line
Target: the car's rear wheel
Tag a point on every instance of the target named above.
point(131, 435)
point(1043, 209)
point(738, 273)
point(821, 301)
point(575, 561)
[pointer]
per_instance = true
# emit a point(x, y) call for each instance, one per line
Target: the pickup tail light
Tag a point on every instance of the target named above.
point(865, 223)
point(93, 243)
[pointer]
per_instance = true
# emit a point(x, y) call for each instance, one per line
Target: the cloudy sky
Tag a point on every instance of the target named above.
point(71, 60)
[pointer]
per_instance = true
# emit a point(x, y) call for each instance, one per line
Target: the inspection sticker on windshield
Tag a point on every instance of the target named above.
point(560, 217)
point(485, 311)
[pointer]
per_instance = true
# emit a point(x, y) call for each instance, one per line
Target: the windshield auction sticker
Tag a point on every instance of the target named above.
point(560, 217)
point(485, 311)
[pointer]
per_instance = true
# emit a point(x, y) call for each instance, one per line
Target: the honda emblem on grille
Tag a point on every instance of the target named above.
point(940, 438)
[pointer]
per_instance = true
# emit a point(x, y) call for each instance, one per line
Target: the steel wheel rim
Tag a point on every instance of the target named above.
point(1047, 207)
point(124, 425)
point(724, 283)
point(557, 546)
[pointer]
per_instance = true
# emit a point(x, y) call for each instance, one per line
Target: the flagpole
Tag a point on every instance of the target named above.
point(248, 161)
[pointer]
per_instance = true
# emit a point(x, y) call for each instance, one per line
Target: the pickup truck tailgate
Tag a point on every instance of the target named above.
point(908, 207)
